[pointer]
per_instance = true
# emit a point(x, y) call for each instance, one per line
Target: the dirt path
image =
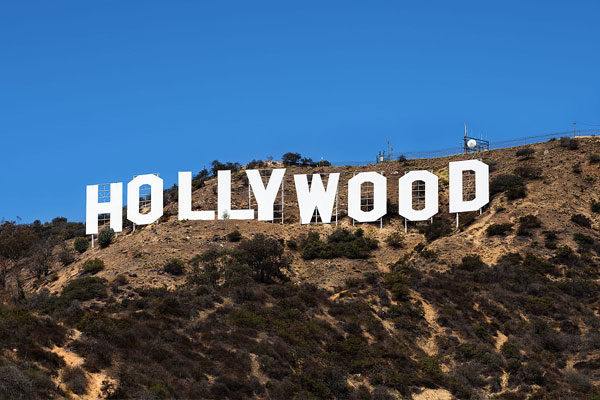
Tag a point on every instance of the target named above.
point(95, 380)
point(428, 345)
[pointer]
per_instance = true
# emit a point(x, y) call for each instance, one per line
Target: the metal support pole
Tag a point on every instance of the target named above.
point(282, 191)
point(405, 226)
point(336, 206)
point(456, 220)
point(92, 241)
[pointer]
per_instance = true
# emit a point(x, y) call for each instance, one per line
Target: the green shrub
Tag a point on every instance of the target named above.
point(255, 164)
point(467, 350)
point(438, 228)
point(499, 229)
point(158, 391)
point(528, 172)
point(174, 267)
point(246, 319)
point(565, 255)
point(581, 220)
point(583, 239)
point(481, 332)
point(234, 236)
point(526, 152)
point(340, 243)
point(586, 243)
point(538, 264)
point(514, 193)
point(594, 158)
point(291, 158)
point(217, 166)
point(200, 179)
point(395, 240)
point(120, 280)
point(75, 379)
point(512, 185)
point(92, 266)
point(292, 243)
point(86, 288)
point(14, 384)
point(527, 223)
point(573, 144)
point(467, 219)
point(472, 262)
point(265, 257)
point(550, 239)
point(81, 245)
point(65, 256)
point(428, 254)
point(397, 283)
point(106, 237)
point(578, 381)
point(570, 143)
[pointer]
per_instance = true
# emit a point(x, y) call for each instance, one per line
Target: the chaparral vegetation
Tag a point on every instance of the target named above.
point(502, 305)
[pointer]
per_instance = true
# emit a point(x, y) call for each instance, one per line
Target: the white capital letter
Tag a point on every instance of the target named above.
point(114, 207)
point(379, 197)
point(405, 201)
point(317, 197)
point(224, 199)
point(265, 197)
point(185, 200)
point(482, 188)
point(156, 199)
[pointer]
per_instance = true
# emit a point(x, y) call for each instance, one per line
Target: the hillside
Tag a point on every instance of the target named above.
point(504, 307)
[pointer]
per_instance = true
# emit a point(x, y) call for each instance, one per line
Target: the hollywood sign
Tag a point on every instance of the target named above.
point(310, 197)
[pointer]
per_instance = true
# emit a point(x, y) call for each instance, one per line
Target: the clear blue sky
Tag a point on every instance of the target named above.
point(94, 92)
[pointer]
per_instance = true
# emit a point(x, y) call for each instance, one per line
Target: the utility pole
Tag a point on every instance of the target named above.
point(574, 124)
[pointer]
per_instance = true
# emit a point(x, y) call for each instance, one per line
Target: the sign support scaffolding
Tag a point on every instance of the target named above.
point(265, 175)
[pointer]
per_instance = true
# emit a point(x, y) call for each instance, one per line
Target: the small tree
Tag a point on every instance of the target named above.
point(174, 267)
point(234, 236)
point(581, 220)
point(42, 260)
point(264, 255)
point(105, 237)
point(395, 240)
point(15, 242)
point(66, 256)
point(81, 244)
point(92, 266)
point(291, 158)
point(526, 152)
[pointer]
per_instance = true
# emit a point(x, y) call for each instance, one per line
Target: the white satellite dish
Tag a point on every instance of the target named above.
point(471, 143)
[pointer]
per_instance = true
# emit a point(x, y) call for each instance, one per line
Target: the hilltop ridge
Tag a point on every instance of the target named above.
point(505, 306)
point(169, 237)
